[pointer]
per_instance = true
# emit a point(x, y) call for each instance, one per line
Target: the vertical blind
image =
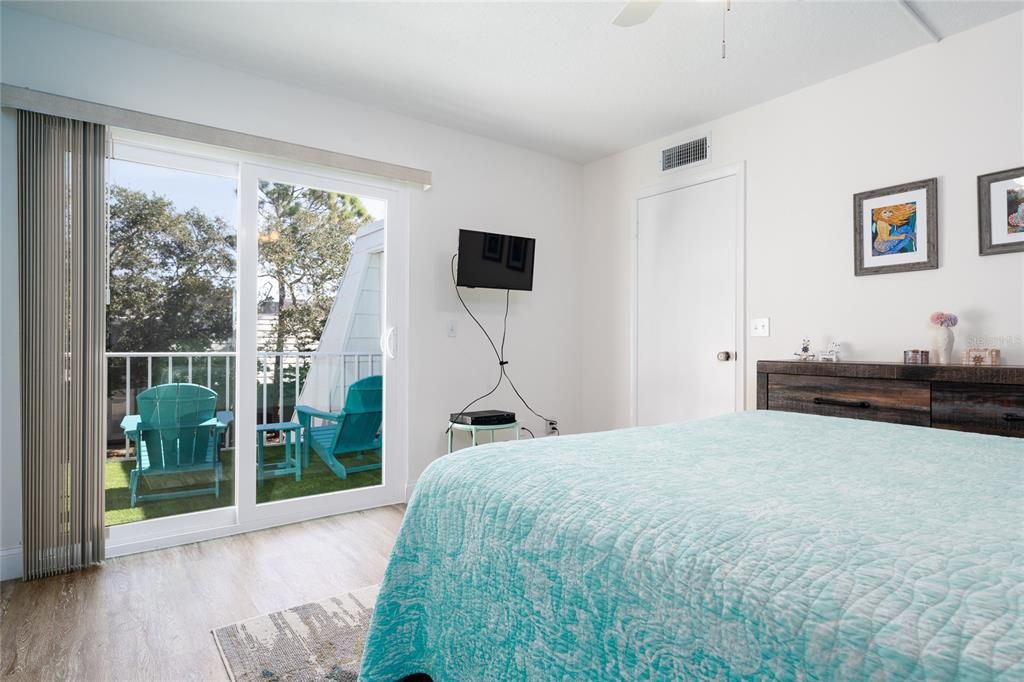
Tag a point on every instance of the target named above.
point(62, 259)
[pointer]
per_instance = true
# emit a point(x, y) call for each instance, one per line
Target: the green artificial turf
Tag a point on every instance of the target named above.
point(316, 479)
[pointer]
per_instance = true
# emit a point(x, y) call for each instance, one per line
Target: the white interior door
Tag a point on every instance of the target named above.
point(687, 302)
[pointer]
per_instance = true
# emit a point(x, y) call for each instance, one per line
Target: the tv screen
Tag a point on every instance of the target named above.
point(495, 261)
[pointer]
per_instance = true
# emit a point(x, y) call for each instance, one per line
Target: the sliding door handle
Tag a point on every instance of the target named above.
point(387, 347)
point(857, 404)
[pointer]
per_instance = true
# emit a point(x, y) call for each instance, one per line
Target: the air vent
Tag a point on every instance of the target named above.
point(686, 154)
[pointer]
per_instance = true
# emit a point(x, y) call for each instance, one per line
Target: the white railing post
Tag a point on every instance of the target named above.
point(280, 392)
point(227, 397)
point(355, 375)
point(127, 385)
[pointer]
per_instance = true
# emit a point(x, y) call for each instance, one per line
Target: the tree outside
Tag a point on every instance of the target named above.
point(306, 238)
point(172, 276)
point(172, 272)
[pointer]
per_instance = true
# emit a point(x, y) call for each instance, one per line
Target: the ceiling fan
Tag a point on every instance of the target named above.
point(636, 12)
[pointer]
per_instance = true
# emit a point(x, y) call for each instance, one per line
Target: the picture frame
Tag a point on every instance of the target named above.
point(1001, 212)
point(896, 229)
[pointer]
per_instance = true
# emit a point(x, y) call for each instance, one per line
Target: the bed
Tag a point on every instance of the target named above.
point(760, 545)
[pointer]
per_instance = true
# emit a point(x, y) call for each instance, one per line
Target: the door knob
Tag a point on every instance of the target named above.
point(724, 356)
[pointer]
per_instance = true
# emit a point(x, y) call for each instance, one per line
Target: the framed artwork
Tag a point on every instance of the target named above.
point(1001, 212)
point(896, 229)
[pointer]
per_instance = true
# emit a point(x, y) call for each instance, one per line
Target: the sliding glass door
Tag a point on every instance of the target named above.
point(319, 324)
point(273, 294)
point(170, 320)
point(318, 304)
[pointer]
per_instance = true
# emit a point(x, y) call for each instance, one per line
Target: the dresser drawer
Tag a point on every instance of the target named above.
point(884, 400)
point(981, 408)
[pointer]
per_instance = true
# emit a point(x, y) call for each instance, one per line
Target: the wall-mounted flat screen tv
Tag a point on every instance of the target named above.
point(495, 261)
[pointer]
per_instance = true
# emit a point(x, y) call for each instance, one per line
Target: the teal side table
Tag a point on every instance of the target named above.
point(474, 430)
point(291, 464)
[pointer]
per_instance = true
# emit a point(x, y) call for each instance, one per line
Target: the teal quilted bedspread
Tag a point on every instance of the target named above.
point(756, 546)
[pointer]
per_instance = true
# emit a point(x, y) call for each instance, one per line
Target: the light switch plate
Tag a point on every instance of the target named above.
point(761, 326)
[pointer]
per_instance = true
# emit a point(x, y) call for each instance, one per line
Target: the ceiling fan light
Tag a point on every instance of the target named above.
point(636, 12)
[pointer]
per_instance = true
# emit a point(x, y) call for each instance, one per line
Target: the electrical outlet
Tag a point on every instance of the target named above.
point(552, 427)
point(760, 326)
point(452, 329)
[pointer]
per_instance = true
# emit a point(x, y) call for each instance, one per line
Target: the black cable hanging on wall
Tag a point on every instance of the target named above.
point(499, 354)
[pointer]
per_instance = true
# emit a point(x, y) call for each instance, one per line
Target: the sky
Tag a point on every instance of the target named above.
point(212, 195)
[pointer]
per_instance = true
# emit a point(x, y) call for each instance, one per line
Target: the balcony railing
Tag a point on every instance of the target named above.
point(281, 379)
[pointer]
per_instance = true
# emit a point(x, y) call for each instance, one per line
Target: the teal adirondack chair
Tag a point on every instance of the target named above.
point(352, 431)
point(175, 432)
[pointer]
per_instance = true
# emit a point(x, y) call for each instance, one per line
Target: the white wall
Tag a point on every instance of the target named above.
point(952, 110)
point(477, 183)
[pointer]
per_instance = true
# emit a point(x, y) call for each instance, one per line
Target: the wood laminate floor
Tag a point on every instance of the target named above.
point(148, 616)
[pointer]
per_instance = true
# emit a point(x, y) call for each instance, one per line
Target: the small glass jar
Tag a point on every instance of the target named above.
point(915, 357)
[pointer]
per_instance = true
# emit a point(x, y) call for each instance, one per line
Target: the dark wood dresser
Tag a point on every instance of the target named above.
point(960, 397)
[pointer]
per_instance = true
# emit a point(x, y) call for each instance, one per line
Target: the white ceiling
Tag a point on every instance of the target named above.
point(556, 77)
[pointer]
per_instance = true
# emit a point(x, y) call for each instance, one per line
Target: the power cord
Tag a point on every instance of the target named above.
point(550, 422)
point(499, 354)
point(459, 294)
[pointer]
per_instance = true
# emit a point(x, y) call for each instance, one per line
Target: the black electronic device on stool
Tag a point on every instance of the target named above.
point(483, 418)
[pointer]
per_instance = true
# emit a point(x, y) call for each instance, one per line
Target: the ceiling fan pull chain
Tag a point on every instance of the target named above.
point(725, 10)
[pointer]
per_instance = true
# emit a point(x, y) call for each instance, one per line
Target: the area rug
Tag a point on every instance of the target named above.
point(317, 641)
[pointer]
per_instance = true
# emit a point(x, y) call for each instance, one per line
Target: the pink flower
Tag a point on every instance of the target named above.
point(940, 319)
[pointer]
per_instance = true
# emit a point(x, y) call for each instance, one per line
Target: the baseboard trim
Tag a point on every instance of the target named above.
point(174, 540)
point(10, 563)
point(11, 557)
